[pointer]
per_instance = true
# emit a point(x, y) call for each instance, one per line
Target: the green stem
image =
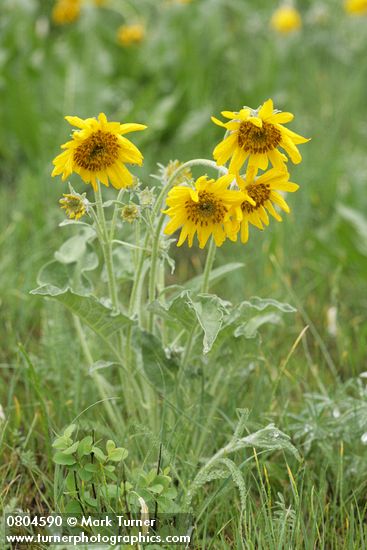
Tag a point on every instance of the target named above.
point(204, 289)
point(158, 229)
point(115, 213)
point(106, 248)
point(208, 266)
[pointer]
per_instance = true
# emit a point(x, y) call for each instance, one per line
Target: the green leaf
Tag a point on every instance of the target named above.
point(70, 430)
point(91, 467)
point(70, 482)
point(156, 489)
point(110, 446)
point(187, 308)
point(73, 507)
point(269, 438)
point(84, 474)
point(75, 247)
point(160, 370)
point(170, 493)
point(210, 311)
point(70, 450)
point(64, 460)
point(118, 454)
point(91, 501)
point(249, 329)
point(110, 491)
point(242, 315)
point(85, 446)
point(99, 318)
point(99, 454)
point(62, 443)
point(262, 303)
point(72, 261)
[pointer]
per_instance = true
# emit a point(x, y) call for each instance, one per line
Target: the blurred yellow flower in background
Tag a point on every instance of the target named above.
point(263, 192)
point(356, 7)
point(66, 11)
point(128, 35)
point(286, 19)
point(205, 210)
point(98, 151)
point(256, 135)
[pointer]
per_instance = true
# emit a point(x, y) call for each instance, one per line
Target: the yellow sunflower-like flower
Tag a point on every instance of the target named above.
point(356, 7)
point(128, 35)
point(66, 11)
point(209, 209)
point(99, 151)
point(264, 195)
point(256, 135)
point(286, 19)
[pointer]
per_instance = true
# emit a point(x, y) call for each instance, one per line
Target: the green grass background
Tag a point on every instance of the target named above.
point(197, 60)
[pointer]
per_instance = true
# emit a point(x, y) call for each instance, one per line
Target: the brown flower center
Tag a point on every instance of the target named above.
point(99, 151)
point(258, 140)
point(207, 210)
point(260, 193)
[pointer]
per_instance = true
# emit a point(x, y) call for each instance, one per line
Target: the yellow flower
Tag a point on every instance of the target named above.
point(98, 150)
point(128, 35)
point(256, 135)
point(75, 205)
point(286, 19)
point(206, 210)
point(66, 11)
point(356, 7)
point(263, 192)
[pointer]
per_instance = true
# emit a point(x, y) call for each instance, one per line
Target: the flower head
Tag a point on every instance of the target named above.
point(99, 150)
point(146, 197)
point(75, 205)
point(66, 11)
point(209, 209)
point(356, 7)
point(256, 136)
point(128, 35)
point(286, 19)
point(130, 213)
point(264, 195)
point(165, 172)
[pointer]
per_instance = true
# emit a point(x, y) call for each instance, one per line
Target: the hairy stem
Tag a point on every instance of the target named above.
point(158, 229)
point(208, 266)
point(106, 246)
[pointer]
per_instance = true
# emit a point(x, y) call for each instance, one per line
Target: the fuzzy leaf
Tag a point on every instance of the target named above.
point(187, 308)
point(100, 319)
point(160, 370)
point(250, 328)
